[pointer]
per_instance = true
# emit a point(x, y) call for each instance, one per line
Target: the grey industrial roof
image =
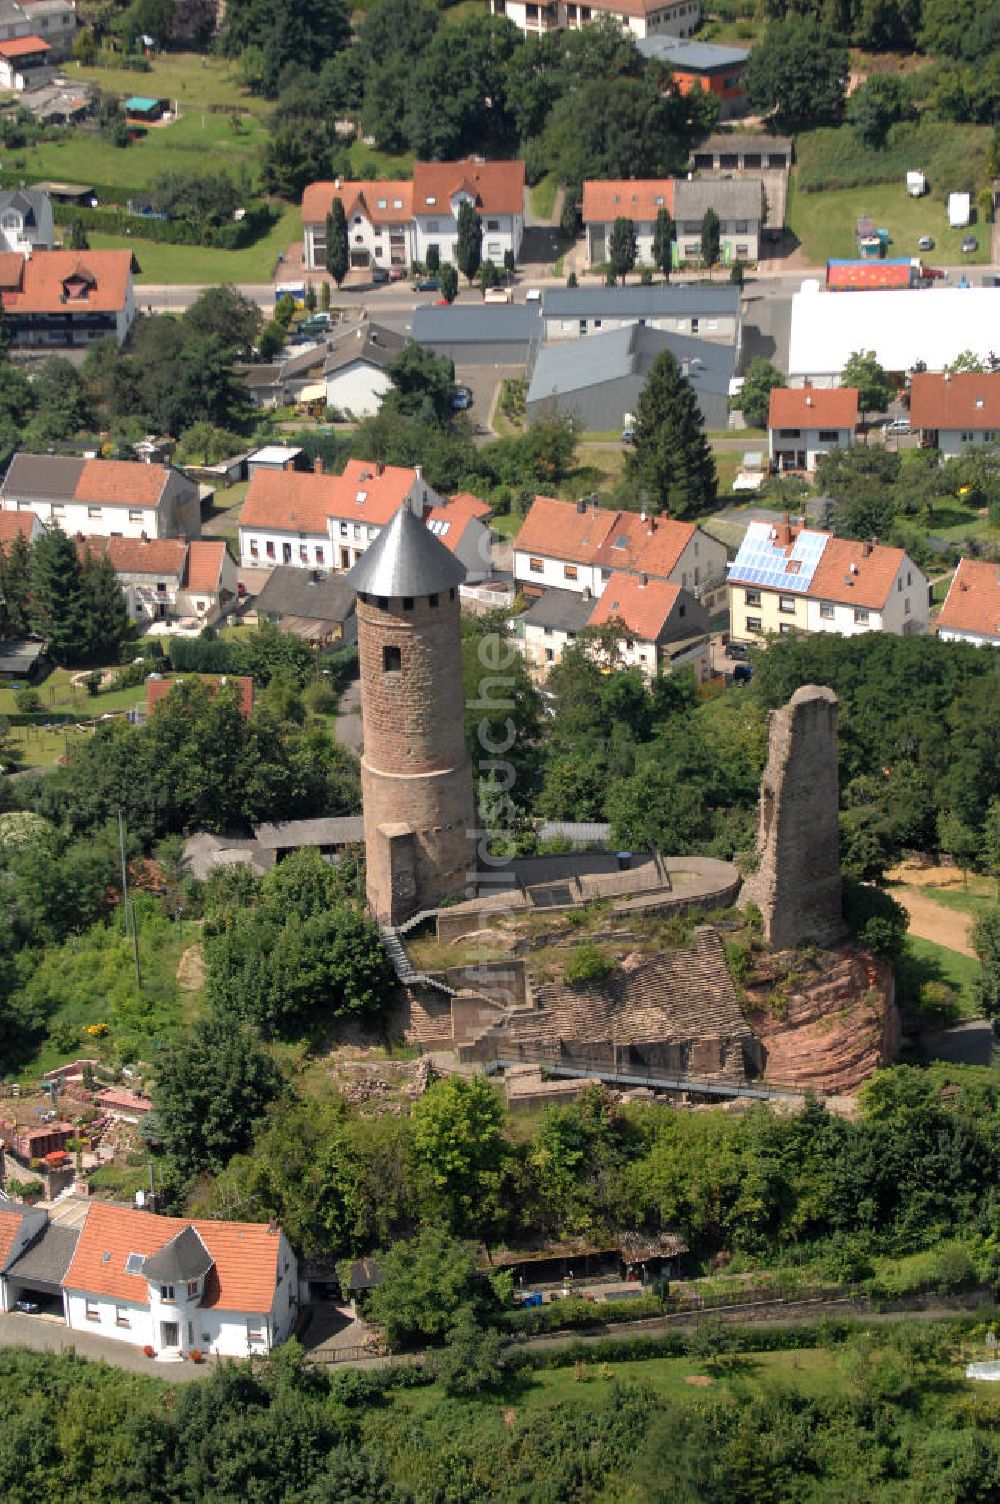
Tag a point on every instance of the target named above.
point(641, 302)
point(721, 141)
point(297, 592)
point(564, 610)
point(731, 198)
point(405, 560)
point(184, 1257)
point(333, 830)
point(48, 1258)
point(43, 475)
point(371, 342)
point(474, 323)
point(680, 53)
point(572, 365)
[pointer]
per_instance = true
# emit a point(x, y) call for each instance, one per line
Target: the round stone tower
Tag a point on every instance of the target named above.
point(416, 780)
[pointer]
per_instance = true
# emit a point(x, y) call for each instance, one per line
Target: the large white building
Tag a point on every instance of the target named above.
point(643, 18)
point(106, 498)
point(392, 224)
point(903, 327)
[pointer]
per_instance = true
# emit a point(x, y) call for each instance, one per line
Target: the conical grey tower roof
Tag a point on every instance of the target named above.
point(405, 559)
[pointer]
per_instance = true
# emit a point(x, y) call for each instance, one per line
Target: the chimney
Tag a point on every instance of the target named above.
point(651, 529)
point(643, 581)
point(336, 183)
point(143, 537)
point(380, 468)
point(418, 471)
point(809, 402)
point(581, 507)
point(642, 515)
point(866, 549)
point(288, 465)
point(947, 375)
point(586, 592)
point(317, 466)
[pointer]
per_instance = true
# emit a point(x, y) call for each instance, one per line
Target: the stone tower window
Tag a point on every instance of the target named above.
point(432, 600)
point(407, 602)
point(392, 659)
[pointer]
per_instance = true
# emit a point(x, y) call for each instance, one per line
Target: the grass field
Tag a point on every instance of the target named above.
point(937, 963)
point(543, 196)
point(183, 264)
point(196, 82)
point(825, 224)
point(508, 525)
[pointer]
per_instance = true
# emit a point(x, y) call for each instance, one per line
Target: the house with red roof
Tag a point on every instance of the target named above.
point(24, 63)
point(312, 520)
point(56, 300)
point(643, 18)
point(393, 223)
point(637, 199)
point(26, 525)
point(805, 422)
point(971, 610)
point(223, 1288)
point(168, 579)
point(105, 498)
point(569, 545)
point(953, 409)
point(787, 579)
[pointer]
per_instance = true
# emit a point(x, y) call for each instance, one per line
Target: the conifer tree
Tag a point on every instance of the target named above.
point(663, 239)
point(671, 459)
point(469, 246)
point(337, 256)
point(622, 248)
point(15, 563)
point(56, 594)
point(104, 619)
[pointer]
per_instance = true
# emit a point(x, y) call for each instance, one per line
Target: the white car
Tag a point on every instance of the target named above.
point(533, 295)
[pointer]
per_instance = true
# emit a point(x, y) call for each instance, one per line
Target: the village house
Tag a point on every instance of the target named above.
point(578, 546)
point(312, 604)
point(955, 409)
point(805, 422)
point(50, 21)
point(169, 579)
point(642, 18)
point(662, 626)
point(701, 311)
point(175, 1286)
point(695, 65)
point(355, 375)
point(26, 223)
point(56, 300)
point(637, 199)
point(739, 204)
point(317, 521)
point(971, 610)
point(108, 498)
point(24, 525)
point(788, 578)
point(392, 224)
point(25, 63)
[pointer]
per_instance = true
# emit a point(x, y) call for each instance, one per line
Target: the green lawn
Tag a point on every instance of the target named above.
point(980, 895)
point(825, 224)
point(543, 196)
point(196, 82)
point(184, 264)
point(508, 525)
point(937, 963)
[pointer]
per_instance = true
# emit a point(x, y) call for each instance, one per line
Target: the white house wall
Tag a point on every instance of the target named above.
point(99, 520)
point(358, 389)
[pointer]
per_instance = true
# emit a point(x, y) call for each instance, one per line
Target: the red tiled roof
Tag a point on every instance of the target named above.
point(476, 507)
point(973, 600)
point(11, 269)
point(652, 545)
point(48, 275)
point(16, 525)
point(496, 187)
point(159, 689)
point(205, 559)
point(629, 198)
point(964, 400)
point(359, 198)
point(561, 530)
point(293, 501)
point(644, 608)
point(856, 574)
point(813, 407)
point(10, 1226)
point(245, 1255)
point(124, 1101)
point(163, 557)
point(23, 47)
point(121, 483)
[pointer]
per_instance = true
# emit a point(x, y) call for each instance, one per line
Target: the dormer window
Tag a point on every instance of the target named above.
point(431, 199)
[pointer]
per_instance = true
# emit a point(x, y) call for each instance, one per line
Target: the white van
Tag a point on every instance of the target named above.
point(497, 295)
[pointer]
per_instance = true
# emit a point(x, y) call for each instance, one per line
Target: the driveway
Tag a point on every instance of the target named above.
point(48, 1334)
point(347, 726)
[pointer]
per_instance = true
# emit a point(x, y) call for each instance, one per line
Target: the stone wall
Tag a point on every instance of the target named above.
point(797, 882)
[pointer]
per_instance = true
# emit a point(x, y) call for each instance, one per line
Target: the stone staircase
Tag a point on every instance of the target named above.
point(405, 971)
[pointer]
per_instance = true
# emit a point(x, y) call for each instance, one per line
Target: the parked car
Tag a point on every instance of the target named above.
point(379, 275)
point(27, 1307)
point(497, 295)
point(533, 295)
point(969, 245)
point(427, 284)
point(397, 273)
point(925, 243)
point(742, 673)
point(896, 425)
point(737, 650)
point(628, 435)
point(461, 399)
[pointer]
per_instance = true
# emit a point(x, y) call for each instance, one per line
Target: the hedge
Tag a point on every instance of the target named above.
point(234, 235)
